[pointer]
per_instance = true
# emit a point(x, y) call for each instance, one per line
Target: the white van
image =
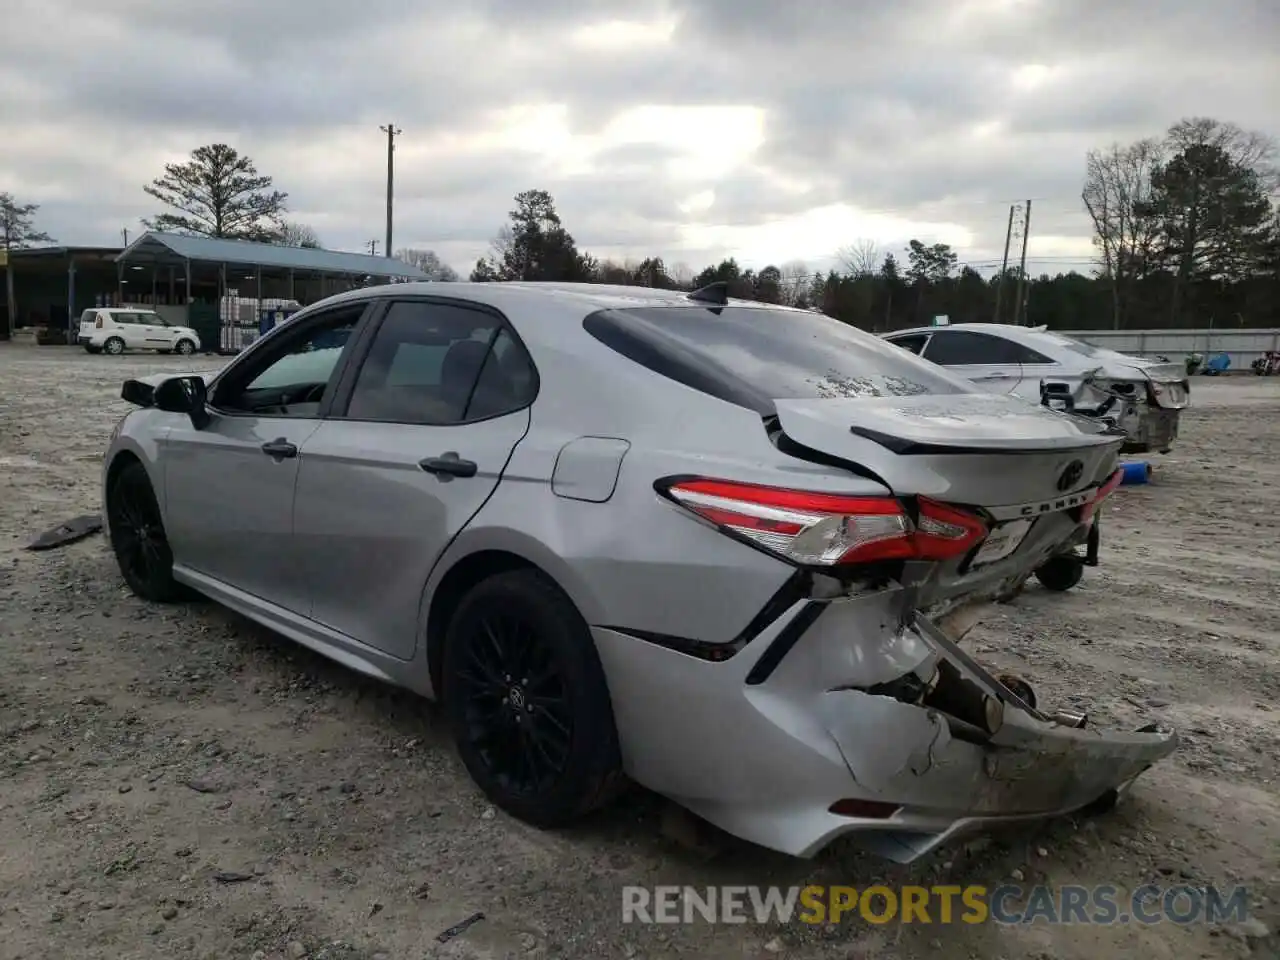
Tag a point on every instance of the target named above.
point(117, 329)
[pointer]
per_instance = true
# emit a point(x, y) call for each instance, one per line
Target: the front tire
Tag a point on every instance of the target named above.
point(1061, 573)
point(138, 538)
point(185, 347)
point(114, 346)
point(526, 696)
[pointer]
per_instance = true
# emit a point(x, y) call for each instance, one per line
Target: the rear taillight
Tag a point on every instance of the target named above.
point(823, 529)
point(1104, 491)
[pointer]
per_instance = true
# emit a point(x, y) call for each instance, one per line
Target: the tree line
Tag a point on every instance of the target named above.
point(1186, 229)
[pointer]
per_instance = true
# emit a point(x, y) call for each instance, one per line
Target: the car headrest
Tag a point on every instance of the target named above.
point(461, 367)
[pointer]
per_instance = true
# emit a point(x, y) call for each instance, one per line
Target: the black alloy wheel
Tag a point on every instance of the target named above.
point(528, 702)
point(138, 538)
point(517, 714)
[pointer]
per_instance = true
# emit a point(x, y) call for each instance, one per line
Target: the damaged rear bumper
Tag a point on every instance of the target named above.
point(952, 775)
point(892, 735)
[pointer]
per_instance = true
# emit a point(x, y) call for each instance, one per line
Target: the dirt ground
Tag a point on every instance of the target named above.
point(177, 782)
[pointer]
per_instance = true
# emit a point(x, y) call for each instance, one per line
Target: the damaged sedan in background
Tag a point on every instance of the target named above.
point(1143, 397)
point(725, 549)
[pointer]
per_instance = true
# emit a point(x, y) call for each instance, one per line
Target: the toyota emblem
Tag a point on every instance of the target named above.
point(1070, 476)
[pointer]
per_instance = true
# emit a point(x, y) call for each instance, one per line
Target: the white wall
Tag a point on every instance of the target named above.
point(1243, 346)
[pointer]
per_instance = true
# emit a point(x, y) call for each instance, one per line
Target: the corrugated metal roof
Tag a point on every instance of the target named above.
point(210, 250)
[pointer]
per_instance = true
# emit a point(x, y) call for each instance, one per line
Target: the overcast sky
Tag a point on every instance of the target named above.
point(694, 130)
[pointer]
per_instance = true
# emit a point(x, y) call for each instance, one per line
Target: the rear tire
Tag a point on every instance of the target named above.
point(138, 538)
point(114, 346)
point(1061, 573)
point(526, 696)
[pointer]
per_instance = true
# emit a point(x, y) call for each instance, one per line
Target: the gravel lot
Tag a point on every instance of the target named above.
point(180, 783)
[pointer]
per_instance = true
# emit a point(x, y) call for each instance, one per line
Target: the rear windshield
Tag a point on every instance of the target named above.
point(753, 355)
point(1079, 346)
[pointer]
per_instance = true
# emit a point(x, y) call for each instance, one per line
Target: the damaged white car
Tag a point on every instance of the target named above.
point(1142, 397)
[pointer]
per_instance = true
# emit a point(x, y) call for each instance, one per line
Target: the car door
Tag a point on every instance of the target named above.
point(984, 358)
point(158, 334)
point(422, 429)
point(229, 486)
point(128, 329)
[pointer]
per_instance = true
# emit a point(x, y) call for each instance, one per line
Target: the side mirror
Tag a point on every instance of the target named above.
point(184, 395)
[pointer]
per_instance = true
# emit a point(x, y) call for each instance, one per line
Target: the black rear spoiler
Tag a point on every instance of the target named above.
point(138, 393)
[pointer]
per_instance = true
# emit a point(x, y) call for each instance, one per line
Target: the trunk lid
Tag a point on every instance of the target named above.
point(975, 449)
point(1156, 370)
point(1168, 381)
point(1026, 469)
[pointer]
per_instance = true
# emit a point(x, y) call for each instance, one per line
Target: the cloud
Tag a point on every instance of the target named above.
point(693, 130)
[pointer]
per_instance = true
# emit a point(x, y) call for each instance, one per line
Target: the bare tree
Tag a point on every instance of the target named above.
point(860, 258)
point(682, 274)
point(298, 235)
point(796, 279)
point(1117, 194)
point(1246, 149)
point(429, 263)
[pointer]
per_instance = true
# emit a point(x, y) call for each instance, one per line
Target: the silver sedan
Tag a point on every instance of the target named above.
point(720, 548)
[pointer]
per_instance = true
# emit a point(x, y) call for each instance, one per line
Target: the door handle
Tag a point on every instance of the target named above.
point(449, 465)
point(280, 449)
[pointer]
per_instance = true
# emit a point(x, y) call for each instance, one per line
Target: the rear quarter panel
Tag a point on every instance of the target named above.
point(637, 561)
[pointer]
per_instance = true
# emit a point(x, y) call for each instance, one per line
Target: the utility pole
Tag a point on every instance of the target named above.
point(1020, 302)
point(124, 235)
point(1004, 264)
point(373, 248)
point(392, 131)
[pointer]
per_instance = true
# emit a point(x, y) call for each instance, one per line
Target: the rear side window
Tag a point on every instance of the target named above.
point(1025, 354)
point(960, 347)
point(752, 356)
point(439, 364)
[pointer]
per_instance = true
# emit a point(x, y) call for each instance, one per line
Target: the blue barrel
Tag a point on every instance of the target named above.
point(1137, 471)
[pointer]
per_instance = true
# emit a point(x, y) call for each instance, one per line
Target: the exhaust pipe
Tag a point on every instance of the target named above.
point(1070, 718)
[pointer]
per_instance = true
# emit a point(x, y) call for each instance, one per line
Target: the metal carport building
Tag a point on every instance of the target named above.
point(221, 287)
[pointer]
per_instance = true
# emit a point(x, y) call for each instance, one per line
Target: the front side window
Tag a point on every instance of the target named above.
point(913, 342)
point(296, 373)
point(440, 364)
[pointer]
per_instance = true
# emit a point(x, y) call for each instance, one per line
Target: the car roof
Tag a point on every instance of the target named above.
point(1012, 331)
point(590, 297)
